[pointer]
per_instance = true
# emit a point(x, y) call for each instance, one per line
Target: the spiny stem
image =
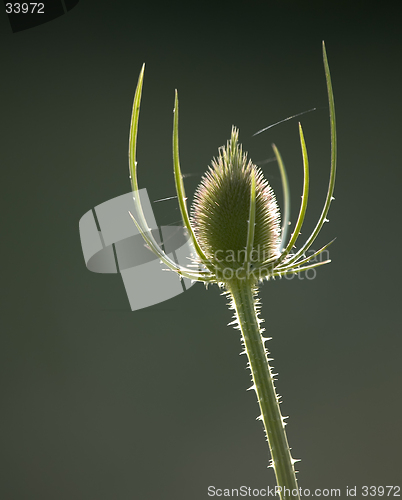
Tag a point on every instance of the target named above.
point(244, 300)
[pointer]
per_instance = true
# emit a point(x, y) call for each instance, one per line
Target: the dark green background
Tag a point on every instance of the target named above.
point(102, 403)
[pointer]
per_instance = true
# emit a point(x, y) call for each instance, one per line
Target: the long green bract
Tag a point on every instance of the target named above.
point(303, 207)
point(181, 195)
point(331, 185)
point(251, 220)
point(141, 224)
point(286, 196)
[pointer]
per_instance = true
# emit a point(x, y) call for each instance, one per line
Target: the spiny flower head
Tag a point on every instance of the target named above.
point(220, 214)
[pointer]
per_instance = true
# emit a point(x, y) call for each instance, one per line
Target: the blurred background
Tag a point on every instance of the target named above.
point(101, 403)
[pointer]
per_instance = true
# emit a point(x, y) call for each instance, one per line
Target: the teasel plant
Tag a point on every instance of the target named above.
point(238, 242)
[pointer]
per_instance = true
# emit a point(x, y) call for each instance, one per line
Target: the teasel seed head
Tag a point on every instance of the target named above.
point(221, 210)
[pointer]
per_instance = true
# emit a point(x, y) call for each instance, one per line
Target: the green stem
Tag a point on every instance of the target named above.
point(244, 300)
